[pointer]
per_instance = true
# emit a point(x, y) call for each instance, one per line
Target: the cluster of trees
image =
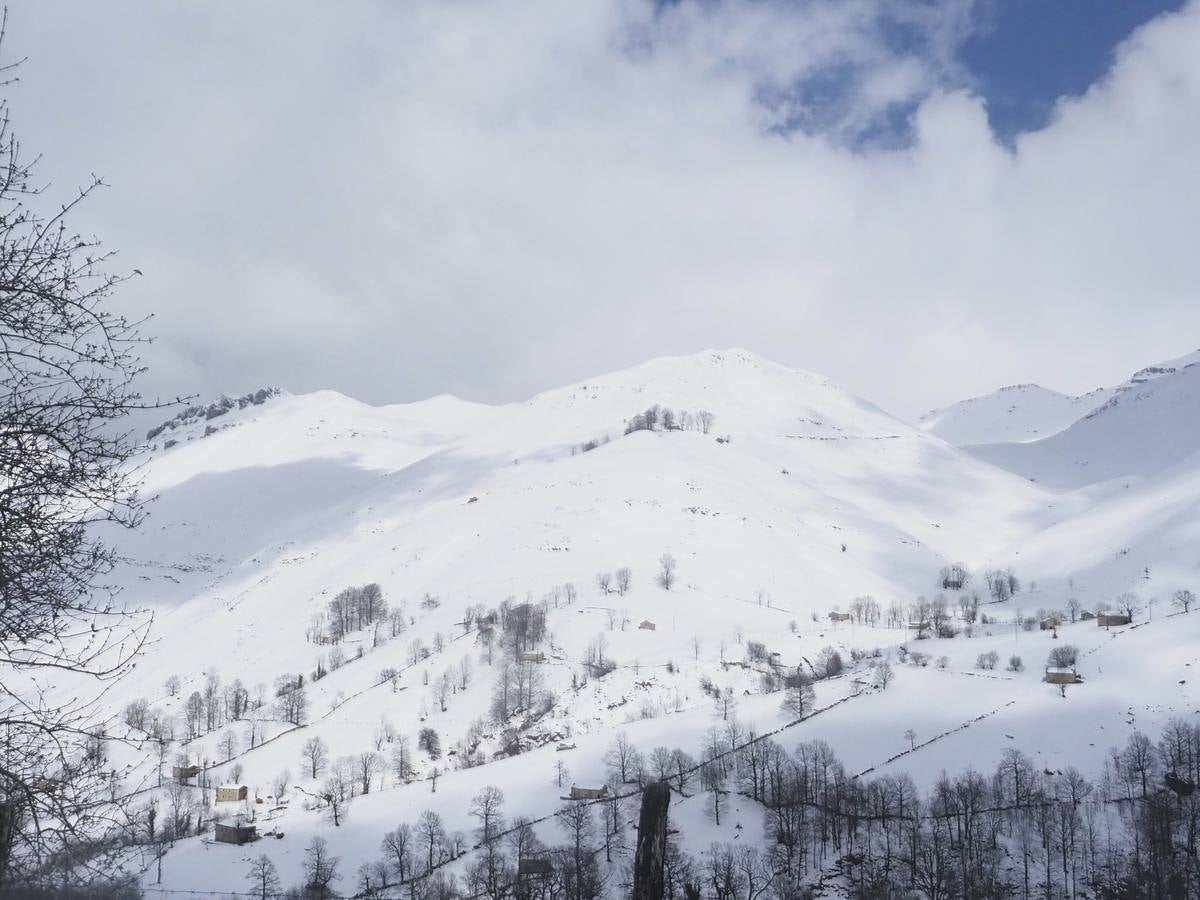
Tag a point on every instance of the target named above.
point(519, 688)
point(590, 445)
point(207, 709)
point(354, 609)
point(662, 418)
point(1002, 584)
point(954, 577)
point(865, 610)
point(621, 583)
point(1017, 831)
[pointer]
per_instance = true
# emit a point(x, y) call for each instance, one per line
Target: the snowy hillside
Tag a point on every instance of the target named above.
point(779, 498)
point(1148, 425)
point(1021, 412)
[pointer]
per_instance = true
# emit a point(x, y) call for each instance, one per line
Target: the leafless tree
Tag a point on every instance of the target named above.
point(799, 698)
point(1128, 603)
point(368, 765)
point(487, 807)
point(68, 371)
point(336, 790)
point(402, 767)
point(604, 581)
point(623, 759)
point(666, 571)
point(228, 744)
point(1183, 599)
point(883, 674)
point(398, 847)
point(320, 870)
point(263, 878)
point(624, 580)
point(432, 835)
point(315, 753)
point(1063, 656)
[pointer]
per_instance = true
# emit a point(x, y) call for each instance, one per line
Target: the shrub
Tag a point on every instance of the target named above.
point(1015, 664)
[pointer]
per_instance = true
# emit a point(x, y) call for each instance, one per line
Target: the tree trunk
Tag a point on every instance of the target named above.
point(651, 853)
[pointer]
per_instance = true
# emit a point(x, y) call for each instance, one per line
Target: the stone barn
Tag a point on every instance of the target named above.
point(236, 833)
point(184, 774)
point(646, 625)
point(229, 793)
point(1062, 676)
point(578, 793)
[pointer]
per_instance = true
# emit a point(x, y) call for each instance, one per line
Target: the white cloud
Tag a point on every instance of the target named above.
point(490, 199)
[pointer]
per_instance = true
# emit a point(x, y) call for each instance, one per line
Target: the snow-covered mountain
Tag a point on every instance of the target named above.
point(1020, 412)
point(1145, 427)
point(1023, 413)
point(792, 501)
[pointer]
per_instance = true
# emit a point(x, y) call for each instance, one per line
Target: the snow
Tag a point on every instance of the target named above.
point(1021, 412)
point(811, 498)
point(1144, 429)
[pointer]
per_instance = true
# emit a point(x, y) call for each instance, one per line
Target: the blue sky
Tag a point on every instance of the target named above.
point(1028, 53)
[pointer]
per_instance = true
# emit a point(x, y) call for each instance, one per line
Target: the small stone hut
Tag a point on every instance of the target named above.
point(1062, 676)
point(578, 793)
point(236, 833)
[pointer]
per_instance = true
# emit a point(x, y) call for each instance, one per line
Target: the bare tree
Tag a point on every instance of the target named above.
point(799, 697)
point(402, 766)
point(624, 580)
point(623, 760)
point(398, 847)
point(487, 807)
point(315, 753)
point(1183, 599)
point(706, 419)
point(432, 835)
point(336, 790)
point(263, 878)
point(68, 372)
point(1063, 656)
point(604, 581)
point(1128, 603)
point(666, 571)
point(320, 870)
point(883, 674)
point(368, 764)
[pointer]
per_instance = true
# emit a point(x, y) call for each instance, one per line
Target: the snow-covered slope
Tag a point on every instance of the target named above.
point(1148, 425)
point(1021, 412)
point(798, 499)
